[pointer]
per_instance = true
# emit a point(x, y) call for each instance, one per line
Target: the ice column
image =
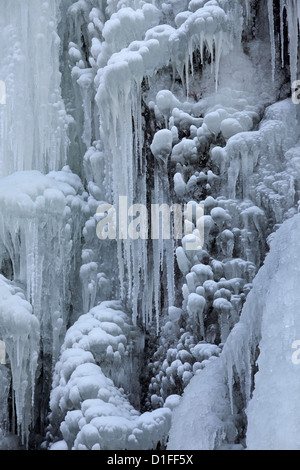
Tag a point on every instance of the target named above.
point(33, 120)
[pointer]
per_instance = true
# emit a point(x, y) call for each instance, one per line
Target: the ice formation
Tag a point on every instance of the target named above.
point(292, 11)
point(119, 83)
point(40, 223)
point(280, 330)
point(36, 230)
point(20, 332)
point(87, 403)
point(212, 393)
point(141, 102)
point(33, 121)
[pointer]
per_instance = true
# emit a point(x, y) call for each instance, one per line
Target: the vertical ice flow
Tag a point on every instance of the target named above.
point(33, 121)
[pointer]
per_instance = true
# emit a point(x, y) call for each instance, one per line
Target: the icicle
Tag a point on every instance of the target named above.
point(201, 46)
point(187, 75)
point(136, 281)
point(191, 53)
point(218, 40)
point(298, 14)
point(272, 36)
point(5, 380)
point(247, 4)
point(292, 20)
point(157, 256)
point(282, 6)
point(170, 271)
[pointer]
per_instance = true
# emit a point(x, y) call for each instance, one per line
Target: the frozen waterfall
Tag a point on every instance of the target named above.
point(179, 112)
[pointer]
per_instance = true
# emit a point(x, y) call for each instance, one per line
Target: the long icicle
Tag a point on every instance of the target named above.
point(272, 36)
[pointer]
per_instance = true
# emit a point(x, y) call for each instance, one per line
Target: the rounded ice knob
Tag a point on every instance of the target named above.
point(166, 102)
point(161, 146)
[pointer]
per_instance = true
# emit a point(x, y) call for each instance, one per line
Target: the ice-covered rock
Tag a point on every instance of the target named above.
point(87, 401)
point(161, 146)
